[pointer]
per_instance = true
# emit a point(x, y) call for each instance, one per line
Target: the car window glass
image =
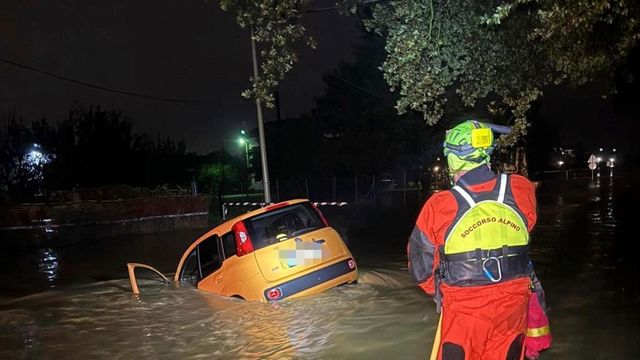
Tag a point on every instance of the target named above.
point(208, 256)
point(190, 272)
point(229, 245)
point(274, 226)
point(201, 262)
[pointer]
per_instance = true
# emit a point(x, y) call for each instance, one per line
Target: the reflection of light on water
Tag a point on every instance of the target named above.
point(48, 229)
point(48, 265)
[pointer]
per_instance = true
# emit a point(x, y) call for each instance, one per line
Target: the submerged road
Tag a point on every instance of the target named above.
point(586, 250)
point(73, 301)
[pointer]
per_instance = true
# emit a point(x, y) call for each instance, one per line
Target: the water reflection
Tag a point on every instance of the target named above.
point(48, 265)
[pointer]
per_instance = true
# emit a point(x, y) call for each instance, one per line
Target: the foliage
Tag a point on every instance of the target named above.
point(274, 25)
point(498, 54)
point(91, 148)
point(506, 52)
point(215, 176)
point(22, 161)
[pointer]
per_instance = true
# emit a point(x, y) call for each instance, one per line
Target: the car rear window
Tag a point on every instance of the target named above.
point(274, 226)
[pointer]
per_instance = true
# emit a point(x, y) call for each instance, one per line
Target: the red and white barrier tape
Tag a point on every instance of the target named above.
point(320, 203)
point(331, 203)
point(47, 223)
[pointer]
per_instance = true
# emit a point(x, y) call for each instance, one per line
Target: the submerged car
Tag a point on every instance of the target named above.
point(285, 250)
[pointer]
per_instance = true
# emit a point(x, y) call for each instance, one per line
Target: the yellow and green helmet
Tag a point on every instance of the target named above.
point(468, 145)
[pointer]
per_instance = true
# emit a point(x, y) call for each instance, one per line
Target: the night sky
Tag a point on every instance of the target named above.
point(583, 116)
point(181, 49)
point(192, 50)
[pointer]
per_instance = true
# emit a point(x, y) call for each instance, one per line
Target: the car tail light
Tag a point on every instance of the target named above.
point(274, 294)
point(352, 264)
point(243, 241)
point(324, 218)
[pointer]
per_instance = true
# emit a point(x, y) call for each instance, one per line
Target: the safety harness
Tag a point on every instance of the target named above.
point(488, 241)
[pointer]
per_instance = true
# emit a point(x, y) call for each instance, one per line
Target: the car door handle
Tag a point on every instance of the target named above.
point(219, 279)
point(319, 241)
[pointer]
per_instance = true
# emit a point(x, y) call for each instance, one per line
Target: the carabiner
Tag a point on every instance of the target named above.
point(488, 273)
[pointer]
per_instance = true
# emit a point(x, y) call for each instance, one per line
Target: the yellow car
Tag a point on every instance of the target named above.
point(285, 250)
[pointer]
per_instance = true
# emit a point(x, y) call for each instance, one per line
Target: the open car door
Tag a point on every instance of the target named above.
point(131, 267)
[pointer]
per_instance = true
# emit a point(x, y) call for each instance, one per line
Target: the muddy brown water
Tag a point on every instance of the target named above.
point(73, 300)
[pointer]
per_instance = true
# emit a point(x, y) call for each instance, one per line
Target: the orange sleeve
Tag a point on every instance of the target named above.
point(433, 221)
point(524, 193)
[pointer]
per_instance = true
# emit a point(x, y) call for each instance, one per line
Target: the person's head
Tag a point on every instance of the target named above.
point(467, 146)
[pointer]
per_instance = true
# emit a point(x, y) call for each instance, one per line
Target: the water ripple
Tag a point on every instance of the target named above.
point(104, 321)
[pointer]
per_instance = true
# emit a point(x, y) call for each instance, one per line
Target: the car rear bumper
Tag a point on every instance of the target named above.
point(312, 279)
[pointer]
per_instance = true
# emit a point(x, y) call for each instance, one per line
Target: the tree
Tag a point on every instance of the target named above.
point(496, 55)
point(217, 175)
point(23, 161)
point(214, 176)
point(91, 148)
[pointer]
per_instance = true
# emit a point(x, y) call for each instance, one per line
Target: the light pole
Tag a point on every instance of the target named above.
point(263, 145)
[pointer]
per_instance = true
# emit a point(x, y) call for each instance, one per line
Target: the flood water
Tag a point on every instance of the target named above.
point(67, 300)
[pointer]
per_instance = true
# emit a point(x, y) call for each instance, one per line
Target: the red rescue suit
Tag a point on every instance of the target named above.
point(487, 321)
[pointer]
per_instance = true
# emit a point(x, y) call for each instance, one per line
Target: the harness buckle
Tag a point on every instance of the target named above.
point(488, 272)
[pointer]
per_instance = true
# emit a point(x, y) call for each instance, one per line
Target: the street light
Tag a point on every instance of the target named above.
point(35, 156)
point(243, 141)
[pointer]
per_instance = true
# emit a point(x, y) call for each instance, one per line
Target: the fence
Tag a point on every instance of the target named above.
point(401, 188)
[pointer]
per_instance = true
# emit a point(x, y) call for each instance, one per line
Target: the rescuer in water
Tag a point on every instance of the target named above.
point(469, 250)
